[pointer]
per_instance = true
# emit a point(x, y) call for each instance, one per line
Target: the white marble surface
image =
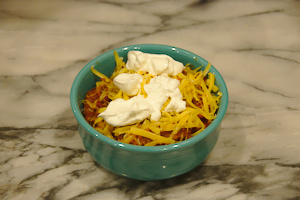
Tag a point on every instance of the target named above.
point(254, 44)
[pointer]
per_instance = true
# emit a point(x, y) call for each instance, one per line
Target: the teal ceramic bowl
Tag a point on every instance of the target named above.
point(139, 162)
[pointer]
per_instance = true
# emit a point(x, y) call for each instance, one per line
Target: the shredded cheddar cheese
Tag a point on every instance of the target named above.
point(197, 87)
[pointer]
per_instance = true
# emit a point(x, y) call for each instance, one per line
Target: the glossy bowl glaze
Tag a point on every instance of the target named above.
point(139, 162)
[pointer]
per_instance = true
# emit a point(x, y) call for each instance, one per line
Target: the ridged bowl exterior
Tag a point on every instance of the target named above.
point(148, 165)
point(144, 163)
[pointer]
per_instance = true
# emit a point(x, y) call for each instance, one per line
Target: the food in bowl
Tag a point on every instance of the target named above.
point(152, 100)
point(144, 162)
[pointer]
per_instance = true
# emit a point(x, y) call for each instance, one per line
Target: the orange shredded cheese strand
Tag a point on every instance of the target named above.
point(102, 76)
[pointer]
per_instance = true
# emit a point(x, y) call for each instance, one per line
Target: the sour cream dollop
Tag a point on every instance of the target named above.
point(159, 89)
point(156, 64)
point(129, 83)
point(120, 112)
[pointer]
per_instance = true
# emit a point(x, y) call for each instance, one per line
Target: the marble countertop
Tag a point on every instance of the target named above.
point(254, 44)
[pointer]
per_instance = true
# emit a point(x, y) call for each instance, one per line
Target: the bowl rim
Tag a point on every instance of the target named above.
point(170, 147)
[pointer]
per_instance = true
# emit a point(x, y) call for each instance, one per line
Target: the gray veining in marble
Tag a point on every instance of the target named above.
point(255, 44)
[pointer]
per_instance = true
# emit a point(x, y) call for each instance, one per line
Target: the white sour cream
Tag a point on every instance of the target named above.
point(120, 112)
point(129, 83)
point(176, 104)
point(156, 64)
point(159, 89)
